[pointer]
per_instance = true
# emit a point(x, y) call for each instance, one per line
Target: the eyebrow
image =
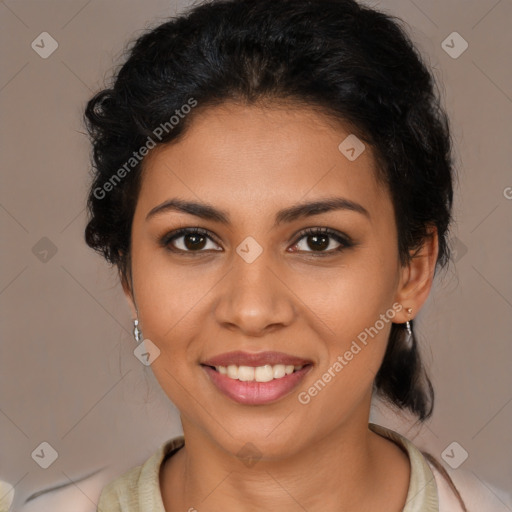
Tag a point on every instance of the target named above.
point(62, 486)
point(290, 214)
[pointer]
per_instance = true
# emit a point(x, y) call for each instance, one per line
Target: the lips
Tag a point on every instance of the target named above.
point(251, 392)
point(239, 358)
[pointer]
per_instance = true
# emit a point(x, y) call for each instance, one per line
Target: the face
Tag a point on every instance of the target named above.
point(319, 286)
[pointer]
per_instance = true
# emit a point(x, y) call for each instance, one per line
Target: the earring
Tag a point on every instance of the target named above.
point(409, 339)
point(137, 333)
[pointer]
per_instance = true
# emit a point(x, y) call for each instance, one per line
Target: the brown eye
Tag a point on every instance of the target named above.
point(188, 240)
point(318, 240)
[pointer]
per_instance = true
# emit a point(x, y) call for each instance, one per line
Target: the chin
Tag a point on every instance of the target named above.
point(258, 441)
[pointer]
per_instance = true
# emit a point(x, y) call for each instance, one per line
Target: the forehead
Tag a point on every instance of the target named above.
point(256, 155)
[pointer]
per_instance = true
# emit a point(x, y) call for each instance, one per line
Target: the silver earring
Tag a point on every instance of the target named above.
point(409, 339)
point(137, 333)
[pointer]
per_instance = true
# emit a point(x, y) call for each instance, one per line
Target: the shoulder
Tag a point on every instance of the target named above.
point(448, 501)
point(120, 495)
point(138, 489)
point(430, 478)
point(476, 494)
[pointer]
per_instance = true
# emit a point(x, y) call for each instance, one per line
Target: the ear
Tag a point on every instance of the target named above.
point(417, 277)
point(127, 289)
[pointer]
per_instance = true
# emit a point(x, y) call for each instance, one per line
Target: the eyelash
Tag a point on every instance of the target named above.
point(344, 241)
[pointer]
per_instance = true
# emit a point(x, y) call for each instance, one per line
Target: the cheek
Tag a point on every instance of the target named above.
point(359, 327)
point(357, 342)
point(350, 297)
point(351, 308)
point(166, 295)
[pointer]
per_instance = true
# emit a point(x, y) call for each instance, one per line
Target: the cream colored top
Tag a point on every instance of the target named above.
point(138, 490)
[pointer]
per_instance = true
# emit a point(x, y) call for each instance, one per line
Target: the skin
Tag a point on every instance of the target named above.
point(252, 161)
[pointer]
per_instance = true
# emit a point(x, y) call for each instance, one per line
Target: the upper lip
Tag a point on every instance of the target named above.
point(240, 358)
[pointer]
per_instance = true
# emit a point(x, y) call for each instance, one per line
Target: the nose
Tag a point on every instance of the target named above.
point(253, 298)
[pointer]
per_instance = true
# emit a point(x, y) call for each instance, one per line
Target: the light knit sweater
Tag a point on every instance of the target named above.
point(138, 490)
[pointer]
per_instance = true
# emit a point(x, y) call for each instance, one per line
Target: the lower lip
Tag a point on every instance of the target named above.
point(256, 393)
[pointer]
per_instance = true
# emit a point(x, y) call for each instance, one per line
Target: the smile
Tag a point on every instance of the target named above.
point(256, 378)
point(264, 373)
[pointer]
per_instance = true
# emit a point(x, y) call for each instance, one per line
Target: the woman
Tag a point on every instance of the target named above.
point(274, 184)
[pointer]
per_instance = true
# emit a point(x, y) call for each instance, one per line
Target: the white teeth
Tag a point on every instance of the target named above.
point(232, 371)
point(245, 373)
point(279, 371)
point(264, 373)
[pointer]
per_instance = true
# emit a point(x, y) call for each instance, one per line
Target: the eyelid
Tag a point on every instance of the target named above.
point(333, 233)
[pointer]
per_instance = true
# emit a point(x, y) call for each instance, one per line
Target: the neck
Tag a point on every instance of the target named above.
point(349, 469)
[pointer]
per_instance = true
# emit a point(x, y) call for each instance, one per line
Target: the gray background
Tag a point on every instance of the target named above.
point(67, 372)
